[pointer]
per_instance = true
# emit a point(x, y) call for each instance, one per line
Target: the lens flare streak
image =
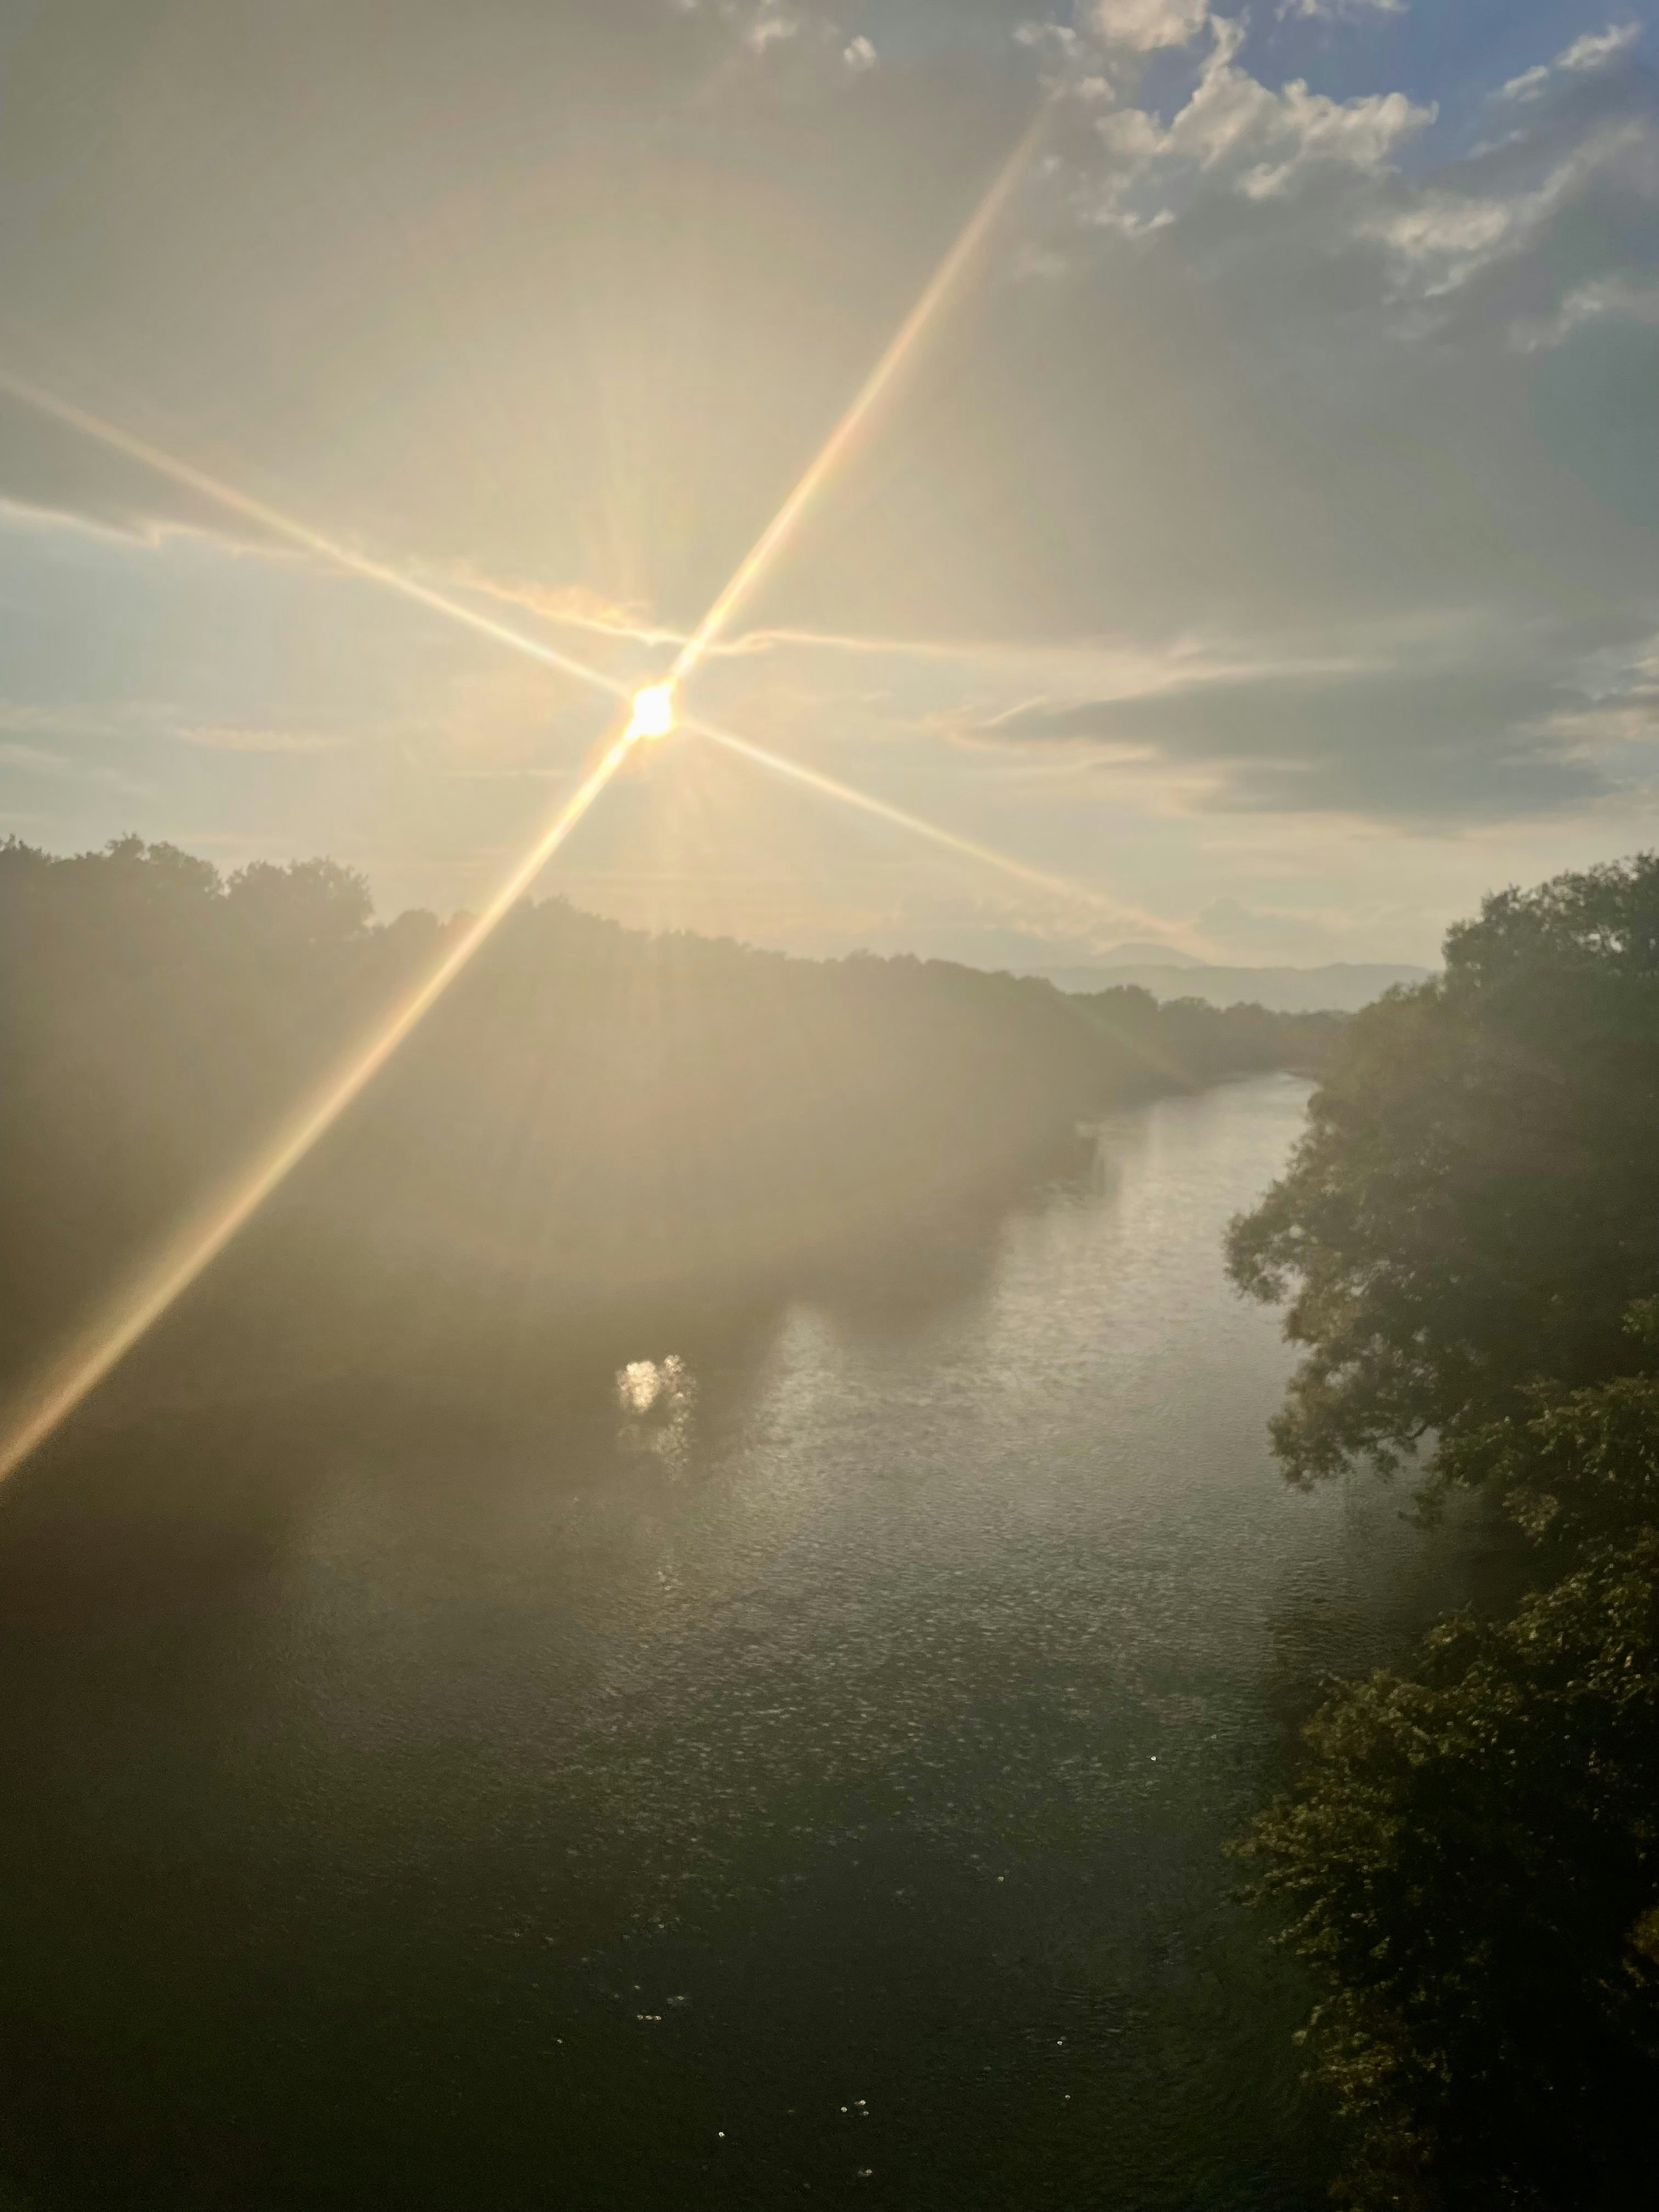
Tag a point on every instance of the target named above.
point(652, 714)
point(969, 849)
point(108, 1342)
point(842, 439)
point(285, 527)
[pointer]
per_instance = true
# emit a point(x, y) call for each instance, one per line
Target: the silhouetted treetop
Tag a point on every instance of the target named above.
point(1475, 1203)
point(1468, 1241)
point(588, 1107)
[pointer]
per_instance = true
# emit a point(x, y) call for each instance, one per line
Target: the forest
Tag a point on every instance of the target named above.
point(591, 1114)
point(1467, 1246)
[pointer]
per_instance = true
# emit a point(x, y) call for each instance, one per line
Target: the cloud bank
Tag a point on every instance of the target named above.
point(1294, 447)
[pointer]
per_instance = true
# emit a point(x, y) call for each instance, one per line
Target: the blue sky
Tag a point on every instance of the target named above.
point(1264, 540)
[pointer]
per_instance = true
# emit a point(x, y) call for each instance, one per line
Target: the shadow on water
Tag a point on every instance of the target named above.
point(774, 1748)
point(1381, 1587)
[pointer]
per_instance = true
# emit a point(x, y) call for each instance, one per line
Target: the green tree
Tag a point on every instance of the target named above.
point(1577, 1467)
point(1475, 1203)
point(1471, 1860)
point(1467, 1245)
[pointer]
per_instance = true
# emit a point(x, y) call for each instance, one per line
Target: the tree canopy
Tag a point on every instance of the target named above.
point(589, 1110)
point(1473, 1865)
point(1468, 1243)
point(1475, 1203)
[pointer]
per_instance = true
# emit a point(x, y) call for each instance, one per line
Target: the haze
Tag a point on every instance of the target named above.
point(1265, 538)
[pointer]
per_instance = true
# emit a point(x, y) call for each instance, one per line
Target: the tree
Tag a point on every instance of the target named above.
point(1475, 1203)
point(1471, 1859)
point(1579, 1466)
point(1467, 1243)
point(588, 1106)
point(304, 906)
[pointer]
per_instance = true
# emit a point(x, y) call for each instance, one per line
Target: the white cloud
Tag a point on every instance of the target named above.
point(1604, 299)
point(1380, 307)
point(1146, 26)
point(771, 28)
point(37, 760)
point(1441, 238)
point(1596, 47)
point(1594, 51)
point(810, 32)
point(71, 718)
point(231, 738)
point(1528, 85)
point(1328, 10)
point(1260, 141)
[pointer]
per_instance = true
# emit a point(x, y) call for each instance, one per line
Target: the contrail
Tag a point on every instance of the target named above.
point(841, 440)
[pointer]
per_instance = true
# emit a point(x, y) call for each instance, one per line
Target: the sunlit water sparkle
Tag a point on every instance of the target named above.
point(797, 1771)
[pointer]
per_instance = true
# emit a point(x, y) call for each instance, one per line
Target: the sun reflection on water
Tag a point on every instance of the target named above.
point(657, 1398)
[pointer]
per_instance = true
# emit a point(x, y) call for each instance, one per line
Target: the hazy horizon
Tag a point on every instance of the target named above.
point(674, 1488)
point(1263, 537)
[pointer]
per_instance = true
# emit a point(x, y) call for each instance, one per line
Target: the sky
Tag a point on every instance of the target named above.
point(1262, 545)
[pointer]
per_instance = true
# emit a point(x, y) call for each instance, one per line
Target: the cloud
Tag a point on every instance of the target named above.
point(1402, 744)
point(35, 758)
point(1331, 10)
point(230, 737)
point(61, 719)
point(1470, 720)
point(1237, 132)
point(1441, 237)
point(1615, 298)
point(571, 606)
point(40, 761)
point(1594, 51)
point(1147, 26)
point(1298, 382)
point(763, 27)
point(770, 27)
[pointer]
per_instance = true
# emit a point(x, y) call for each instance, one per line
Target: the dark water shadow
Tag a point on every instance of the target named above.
point(349, 1856)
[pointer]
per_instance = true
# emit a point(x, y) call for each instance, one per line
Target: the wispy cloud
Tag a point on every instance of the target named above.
point(1595, 50)
point(236, 737)
point(1606, 299)
point(42, 760)
point(1332, 10)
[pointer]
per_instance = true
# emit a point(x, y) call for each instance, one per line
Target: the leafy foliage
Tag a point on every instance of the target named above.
point(1469, 1241)
point(1475, 1204)
point(1473, 1863)
point(1581, 1467)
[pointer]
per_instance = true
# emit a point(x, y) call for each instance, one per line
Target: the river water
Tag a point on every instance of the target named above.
point(794, 1769)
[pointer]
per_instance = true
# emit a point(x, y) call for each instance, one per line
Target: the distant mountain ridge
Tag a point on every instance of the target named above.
point(1148, 955)
point(1341, 987)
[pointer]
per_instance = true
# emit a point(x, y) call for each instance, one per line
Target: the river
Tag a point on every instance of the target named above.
point(794, 1769)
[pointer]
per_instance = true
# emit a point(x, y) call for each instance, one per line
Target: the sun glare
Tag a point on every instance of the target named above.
point(653, 712)
point(653, 715)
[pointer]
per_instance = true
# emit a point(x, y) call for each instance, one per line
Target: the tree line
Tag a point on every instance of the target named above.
point(591, 1111)
point(1467, 1245)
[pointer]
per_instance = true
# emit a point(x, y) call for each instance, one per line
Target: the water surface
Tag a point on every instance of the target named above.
point(790, 1765)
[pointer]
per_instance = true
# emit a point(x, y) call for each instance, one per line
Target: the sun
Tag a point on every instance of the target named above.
point(653, 712)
